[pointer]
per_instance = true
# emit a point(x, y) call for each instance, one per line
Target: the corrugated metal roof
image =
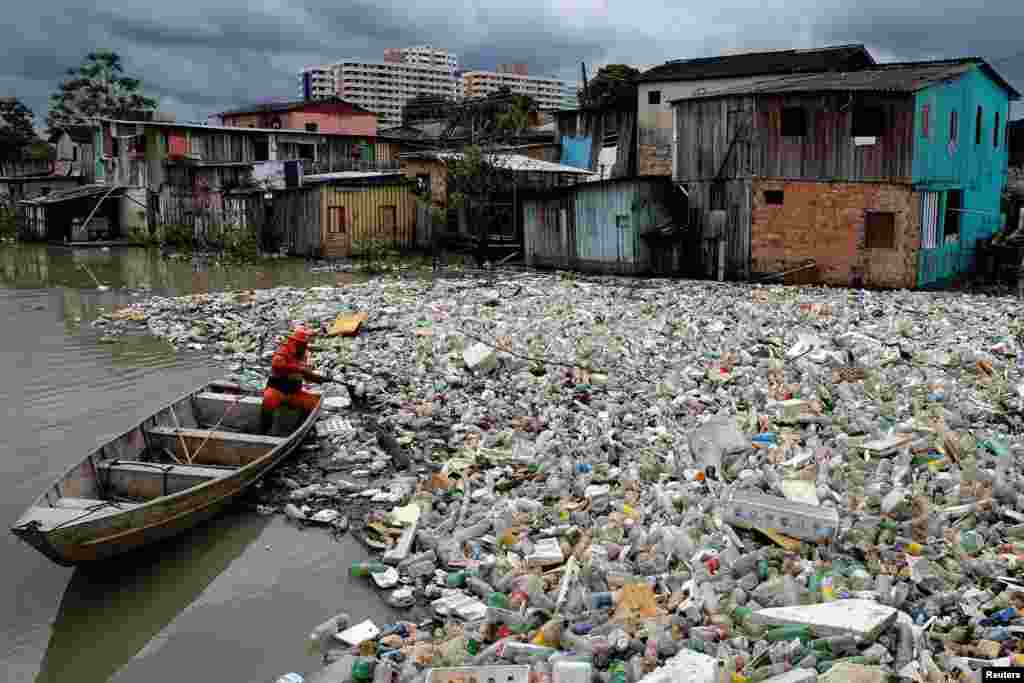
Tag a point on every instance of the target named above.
point(84, 191)
point(268, 107)
point(902, 77)
point(511, 162)
point(349, 175)
point(762, 63)
point(236, 129)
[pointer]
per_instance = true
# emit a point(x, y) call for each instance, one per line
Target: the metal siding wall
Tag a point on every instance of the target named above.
point(600, 242)
point(365, 218)
point(542, 235)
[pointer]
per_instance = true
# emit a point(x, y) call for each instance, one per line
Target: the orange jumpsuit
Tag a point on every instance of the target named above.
point(285, 384)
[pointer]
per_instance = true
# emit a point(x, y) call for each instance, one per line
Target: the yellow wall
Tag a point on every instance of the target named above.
point(364, 217)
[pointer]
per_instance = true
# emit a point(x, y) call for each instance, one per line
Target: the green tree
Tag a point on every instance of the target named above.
point(98, 88)
point(16, 132)
point(612, 84)
point(516, 117)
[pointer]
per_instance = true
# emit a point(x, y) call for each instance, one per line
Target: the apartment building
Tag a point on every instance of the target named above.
point(384, 87)
point(422, 54)
point(549, 93)
point(317, 83)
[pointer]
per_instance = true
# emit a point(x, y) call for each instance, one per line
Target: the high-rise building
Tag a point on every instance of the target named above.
point(548, 93)
point(383, 87)
point(317, 83)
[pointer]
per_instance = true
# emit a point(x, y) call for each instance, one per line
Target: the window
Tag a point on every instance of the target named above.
point(995, 133)
point(868, 122)
point(880, 230)
point(423, 183)
point(654, 97)
point(954, 202)
point(794, 122)
point(925, 115)
point(977, 127)
point(954, 125)
point(115, 147)
point(74, 153)
point(774, 197)
point(311, 127)
point(261, 149)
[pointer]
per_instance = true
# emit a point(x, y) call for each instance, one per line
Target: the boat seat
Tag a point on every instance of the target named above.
point(209, 447)
point(237, 412)
point(147, 480)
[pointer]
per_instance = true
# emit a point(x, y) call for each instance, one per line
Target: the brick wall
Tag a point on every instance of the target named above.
point(652, 162)
point(825, 221)
point(654, 132)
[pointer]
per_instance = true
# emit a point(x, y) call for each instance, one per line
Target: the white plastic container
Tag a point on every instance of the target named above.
point(571, 672)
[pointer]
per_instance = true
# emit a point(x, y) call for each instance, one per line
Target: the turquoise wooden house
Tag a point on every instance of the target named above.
point(887, 176)
point(961, 157)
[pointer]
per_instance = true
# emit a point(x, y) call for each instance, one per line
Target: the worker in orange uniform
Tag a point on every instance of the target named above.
point(287, 373)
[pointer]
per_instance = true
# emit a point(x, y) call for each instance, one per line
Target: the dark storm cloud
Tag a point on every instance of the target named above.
point(200, 59)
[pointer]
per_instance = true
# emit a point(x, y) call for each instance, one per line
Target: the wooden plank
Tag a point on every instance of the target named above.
point(145, 481)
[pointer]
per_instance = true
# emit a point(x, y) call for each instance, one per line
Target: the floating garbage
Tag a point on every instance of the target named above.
point(619, 478)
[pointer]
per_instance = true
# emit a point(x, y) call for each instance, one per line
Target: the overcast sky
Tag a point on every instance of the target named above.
point(199, 57)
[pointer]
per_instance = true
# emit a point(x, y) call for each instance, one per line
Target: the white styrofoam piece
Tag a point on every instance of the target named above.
point(358, 633)
point(860, 617)
point(689, 666)
point(480, 358)
point(571, 672)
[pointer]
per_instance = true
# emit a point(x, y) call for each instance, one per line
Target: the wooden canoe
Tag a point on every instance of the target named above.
point(178, 467)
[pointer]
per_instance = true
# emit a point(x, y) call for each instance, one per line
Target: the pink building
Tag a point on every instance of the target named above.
point(315, 116)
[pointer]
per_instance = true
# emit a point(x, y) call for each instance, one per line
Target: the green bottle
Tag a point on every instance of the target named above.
point(775, 635)
point(455, 579)
point(498, 600)
point(360, 569)
point(741, 615)
point(618, 673)
point(362, 669)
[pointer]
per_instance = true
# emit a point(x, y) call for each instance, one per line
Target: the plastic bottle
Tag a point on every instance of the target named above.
point(322, 637)
point(516, 651)
point(362, 569)
point(617, 673)
point(291, 678)
point(780, 633)
point(479, 587)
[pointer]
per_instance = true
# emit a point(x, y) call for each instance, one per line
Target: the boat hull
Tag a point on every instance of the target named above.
point(140, 525)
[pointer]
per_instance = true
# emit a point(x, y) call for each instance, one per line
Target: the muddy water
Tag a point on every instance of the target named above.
point(231, 601)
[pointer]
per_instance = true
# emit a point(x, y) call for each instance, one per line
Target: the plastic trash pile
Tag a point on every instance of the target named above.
point(597, 478)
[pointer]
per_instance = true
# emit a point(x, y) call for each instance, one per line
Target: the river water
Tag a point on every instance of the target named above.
point(234, 599)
